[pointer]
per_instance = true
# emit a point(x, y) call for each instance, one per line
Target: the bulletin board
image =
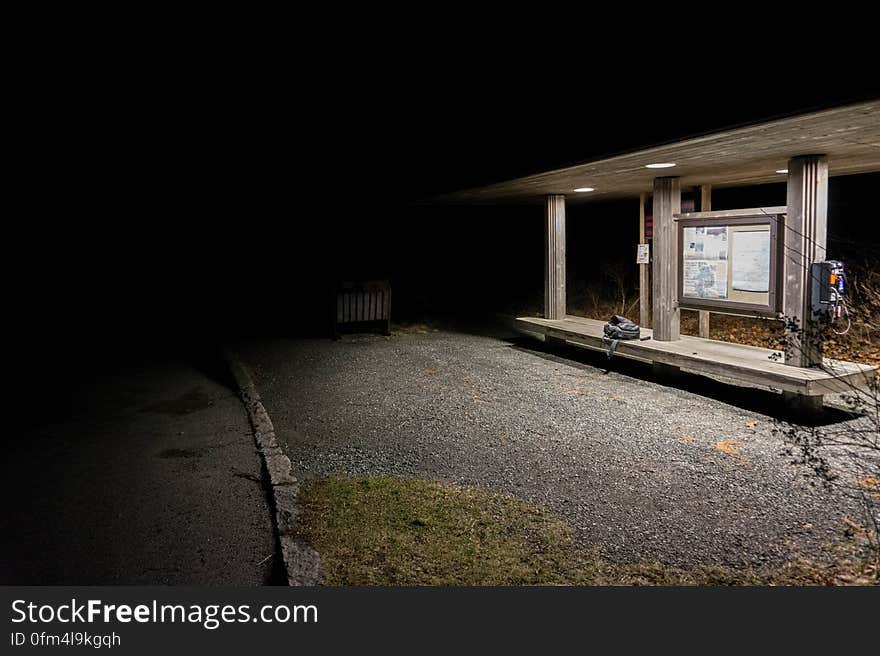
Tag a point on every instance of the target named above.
point(730, 264)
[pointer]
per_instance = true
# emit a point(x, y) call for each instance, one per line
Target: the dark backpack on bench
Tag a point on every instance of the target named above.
point(618, 328)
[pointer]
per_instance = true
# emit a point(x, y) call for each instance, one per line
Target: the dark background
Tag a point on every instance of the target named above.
point(178, 204)
point(172, 179)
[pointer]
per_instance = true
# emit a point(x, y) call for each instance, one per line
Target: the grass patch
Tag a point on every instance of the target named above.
point(396, 531)
point(393, 531)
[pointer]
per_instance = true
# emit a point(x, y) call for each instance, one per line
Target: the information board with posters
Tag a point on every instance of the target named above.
point(729, 263)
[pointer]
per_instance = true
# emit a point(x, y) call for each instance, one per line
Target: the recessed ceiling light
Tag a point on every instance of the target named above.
point(660, 165)
point(782, 170)
point(582, 190)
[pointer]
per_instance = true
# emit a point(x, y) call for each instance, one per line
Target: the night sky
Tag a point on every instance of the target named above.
point(230, 202)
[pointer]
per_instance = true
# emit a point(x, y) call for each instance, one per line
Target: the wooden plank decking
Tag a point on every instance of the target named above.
point(747, 364)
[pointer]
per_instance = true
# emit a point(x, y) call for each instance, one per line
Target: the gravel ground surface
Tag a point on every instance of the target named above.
point(642, 470)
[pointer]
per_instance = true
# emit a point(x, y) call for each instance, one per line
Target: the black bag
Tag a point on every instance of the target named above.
point(618, 328)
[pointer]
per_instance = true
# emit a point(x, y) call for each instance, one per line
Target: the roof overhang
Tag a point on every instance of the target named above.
point(849, 136)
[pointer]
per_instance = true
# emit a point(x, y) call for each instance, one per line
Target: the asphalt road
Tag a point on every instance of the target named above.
point(685, 475)
point(142, 473)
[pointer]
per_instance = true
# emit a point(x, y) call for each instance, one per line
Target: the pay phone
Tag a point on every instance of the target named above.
point(827, 300)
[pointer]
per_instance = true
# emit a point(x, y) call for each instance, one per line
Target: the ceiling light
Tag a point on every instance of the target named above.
point(582, 190)
point(660, 165)
point(782, 170)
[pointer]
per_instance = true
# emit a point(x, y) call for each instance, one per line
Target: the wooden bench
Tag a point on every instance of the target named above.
point(750, 365)
point(361, 306)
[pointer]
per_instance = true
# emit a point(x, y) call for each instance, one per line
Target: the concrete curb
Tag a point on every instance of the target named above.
point(301, 563)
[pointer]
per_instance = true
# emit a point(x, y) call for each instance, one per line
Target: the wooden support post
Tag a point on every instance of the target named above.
point(644, 311)
point(704, 323)
point(665, 373)
point(705, 198)
point(705, 206)
point(800, 405)
point(806, 226)
point(667, 316)
point(554, 258)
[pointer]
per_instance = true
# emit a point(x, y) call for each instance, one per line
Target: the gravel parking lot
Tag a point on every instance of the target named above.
point(686, 475)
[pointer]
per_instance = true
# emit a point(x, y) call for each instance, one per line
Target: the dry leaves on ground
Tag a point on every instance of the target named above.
point(727, 447)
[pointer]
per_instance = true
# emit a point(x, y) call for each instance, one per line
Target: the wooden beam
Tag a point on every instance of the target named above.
point(805, 234)
point(666, 315)
point(644, 310)
point(734, 214)
point(705, 206)
point(554, 258)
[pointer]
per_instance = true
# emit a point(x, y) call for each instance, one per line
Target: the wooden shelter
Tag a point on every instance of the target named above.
point(805, 150)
